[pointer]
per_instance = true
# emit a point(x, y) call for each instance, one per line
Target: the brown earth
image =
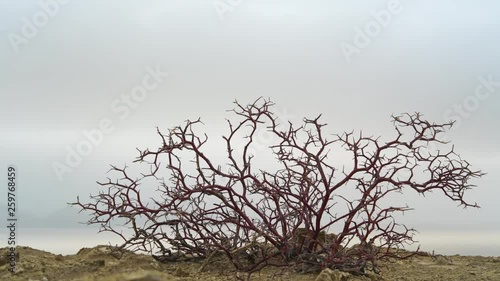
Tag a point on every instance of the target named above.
point(100, 263)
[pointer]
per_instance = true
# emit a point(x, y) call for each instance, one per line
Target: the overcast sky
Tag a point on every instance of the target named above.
point(69, 66)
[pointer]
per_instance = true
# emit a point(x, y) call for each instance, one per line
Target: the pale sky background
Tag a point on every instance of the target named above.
point(66, 77)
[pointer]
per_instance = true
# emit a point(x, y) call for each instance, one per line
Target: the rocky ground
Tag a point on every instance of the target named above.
point(100, 263)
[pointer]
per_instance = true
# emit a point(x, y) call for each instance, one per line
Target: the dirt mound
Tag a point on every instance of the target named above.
point(87, 264)
point(104, 263)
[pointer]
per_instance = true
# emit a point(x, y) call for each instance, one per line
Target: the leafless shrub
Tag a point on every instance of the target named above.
point(258, 218)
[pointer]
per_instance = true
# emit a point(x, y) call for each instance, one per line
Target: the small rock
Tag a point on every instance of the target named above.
point(154, 265)
point(374, 277)
point(18, 270)
point(145, 276)
point(97, 263)
point(179, 272)
point(104, 250)
point(332, 275)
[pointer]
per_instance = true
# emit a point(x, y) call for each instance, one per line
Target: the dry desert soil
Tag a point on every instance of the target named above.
point(99, 263)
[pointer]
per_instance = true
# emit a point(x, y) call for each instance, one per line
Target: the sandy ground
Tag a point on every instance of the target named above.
point(99, 263)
